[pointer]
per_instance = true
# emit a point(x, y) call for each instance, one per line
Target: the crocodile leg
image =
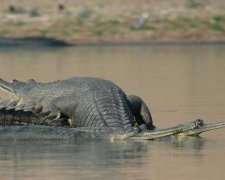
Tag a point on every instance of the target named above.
point(3, 106)
point(12, 114)
point(12, 117)
point(8, 121)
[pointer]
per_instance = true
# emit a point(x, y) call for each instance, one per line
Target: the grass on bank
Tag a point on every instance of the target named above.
point(86, 24)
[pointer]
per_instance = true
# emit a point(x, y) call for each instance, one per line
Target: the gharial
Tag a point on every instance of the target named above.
point(86, 105)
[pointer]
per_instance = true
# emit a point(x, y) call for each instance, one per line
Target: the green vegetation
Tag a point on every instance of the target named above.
point(113, 21)
point(16, 10)
point(44, 32)
point(106, 23)
point(98, 31)
point(216, 27)
point(218, 18)
point(84, 15)
point(19, 23)
point(157, 21)
point(102, 26)
point(190, 22)
point(193, 3)
point(96, 23)
point(145, 28)
point(34, 12)
point(3, 32)
point(20, 10)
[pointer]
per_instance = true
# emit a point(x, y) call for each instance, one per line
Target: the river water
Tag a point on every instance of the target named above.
point(178, 83)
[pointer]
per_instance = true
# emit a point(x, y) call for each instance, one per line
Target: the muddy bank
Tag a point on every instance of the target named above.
point(31, 42)
point(113, 22)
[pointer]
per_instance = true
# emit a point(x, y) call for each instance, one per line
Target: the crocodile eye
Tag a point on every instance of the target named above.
point(199, 122)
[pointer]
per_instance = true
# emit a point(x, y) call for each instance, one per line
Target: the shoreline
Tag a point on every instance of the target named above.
point(105, 22)
point(41, 41)
point(37, 41)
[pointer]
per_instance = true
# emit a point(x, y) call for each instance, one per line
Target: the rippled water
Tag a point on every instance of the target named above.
point(178, 84)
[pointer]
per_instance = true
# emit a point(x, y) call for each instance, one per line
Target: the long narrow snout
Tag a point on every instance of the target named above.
point(203, 128)
point(194, 128)
point(159, 133)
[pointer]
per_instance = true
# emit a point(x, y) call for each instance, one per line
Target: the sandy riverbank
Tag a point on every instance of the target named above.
point(115, 22)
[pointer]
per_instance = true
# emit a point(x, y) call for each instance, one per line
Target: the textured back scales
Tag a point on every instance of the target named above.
point(103, 104)
point(83, 101)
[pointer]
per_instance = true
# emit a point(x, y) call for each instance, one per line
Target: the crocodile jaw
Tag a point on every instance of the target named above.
point(159, 133)
point(203, 128)
point(194, 128)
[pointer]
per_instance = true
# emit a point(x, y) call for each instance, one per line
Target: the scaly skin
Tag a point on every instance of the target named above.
point(84, 103)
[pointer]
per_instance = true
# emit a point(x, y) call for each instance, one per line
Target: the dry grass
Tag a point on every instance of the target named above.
point(102, 21)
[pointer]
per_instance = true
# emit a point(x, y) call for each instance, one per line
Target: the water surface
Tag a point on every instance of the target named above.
point(177, 83)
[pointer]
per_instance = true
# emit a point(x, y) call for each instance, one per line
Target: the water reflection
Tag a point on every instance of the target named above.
point(177, 83)
point(195, 145)
point(89, 159)
point(21, 159)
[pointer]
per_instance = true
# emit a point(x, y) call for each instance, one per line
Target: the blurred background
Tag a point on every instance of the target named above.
point(118, 21)
point(169, 52)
